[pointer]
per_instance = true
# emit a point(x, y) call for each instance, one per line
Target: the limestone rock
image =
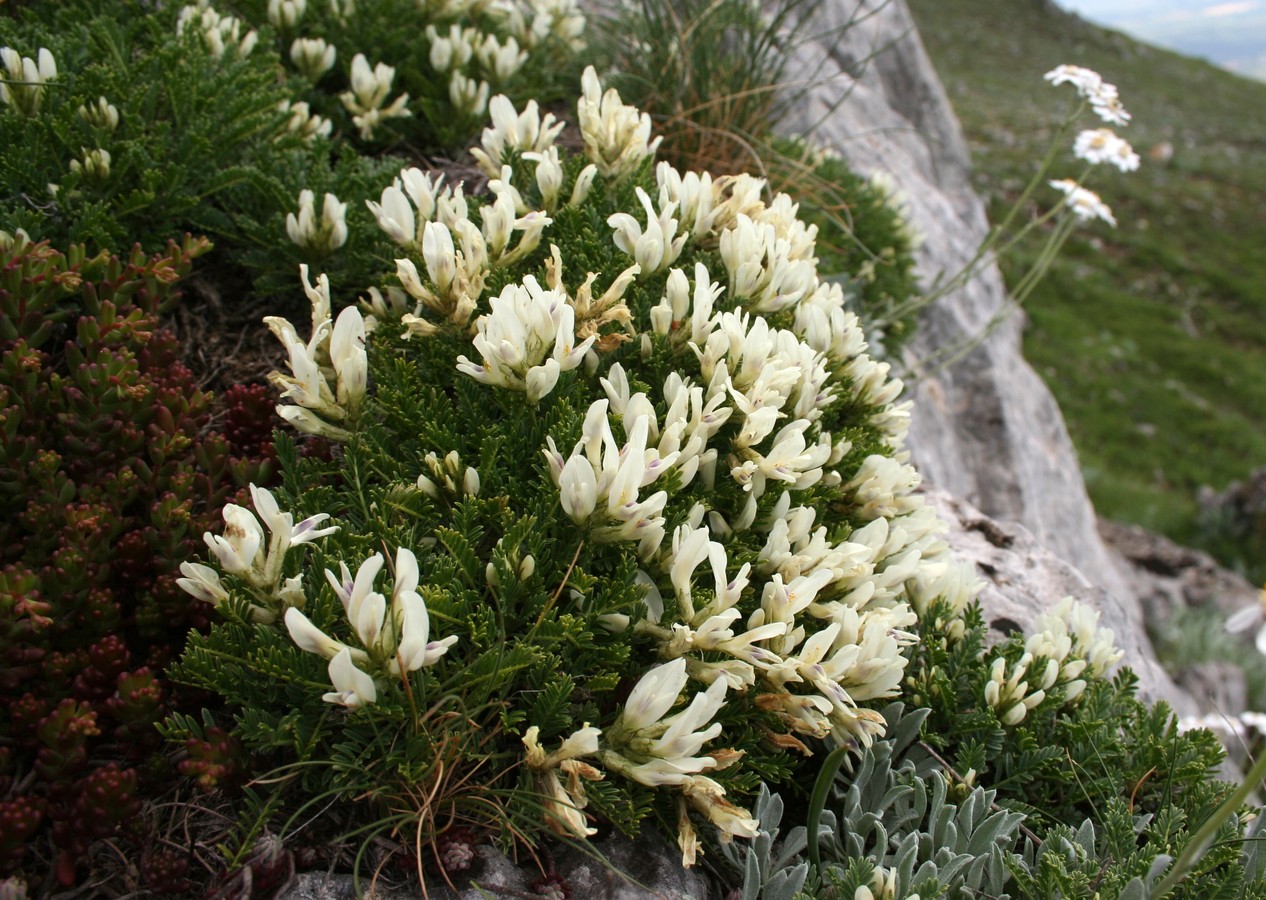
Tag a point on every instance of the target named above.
point(1024, 579)
point(984, 428)
point(648, 868)
point(1167, 577)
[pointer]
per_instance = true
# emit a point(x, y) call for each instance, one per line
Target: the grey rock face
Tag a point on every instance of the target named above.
point(1167, 577)
point(985, 428)
point(614, 868)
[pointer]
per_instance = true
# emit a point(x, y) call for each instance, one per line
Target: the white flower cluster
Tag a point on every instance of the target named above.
point(305, 123)
point(651, 747)
point(1065, 644)
point(536, 22)
point(1084, 203)
point(219, 33)
point(369, 91)
point(313, 57)
point(475, 61)
point(329, 374)
point(244, 550)
point(527, 340)
point(459, 255)
point(94, 164)
point(1100, 145)
point(102, 114)
point(26, 79)
point(1096, 145)
point(1071, 630)
point(319, 236)
point(1102, 96)
point(285, 14)
point(599, 483)
point(448, 476)
point(394, 639)
point(811, 629)
point(899, 202)
point(617, 136)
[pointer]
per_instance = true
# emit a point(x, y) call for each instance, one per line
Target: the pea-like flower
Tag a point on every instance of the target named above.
point(313, 57)
point(564, 805)
point(394, 636)
point(305, 123)
point(369, 90)
point(95, 165)
point(218, 32)
point(26, 77)
point(247, 551)
point(329, 374)
point(102, 114)
point(617, 137)
point(657, 245)
point(526, 341)
point(285, 14)
point(526, 132)
point(325, 235)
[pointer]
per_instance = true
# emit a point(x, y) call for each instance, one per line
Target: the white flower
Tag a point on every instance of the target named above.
point(324, 236)
point(1101, 145)
point(218, 32)
point(500, 60)
point(1090, 84)
point(95, 165)
point(102, 114)
point(1085, 204)
point(527, 340)
point(395, 215)
point(1085, 80)
point(245, 551)
point(525, 132)
point(284, 14)
point(654, 750)
point(612, 477)
point(693, 195)
point(304, 122)
point(1251, 617)
point(352, 687)
point(365, 100)
point(469, 96)
point(1008, 694)
point(655, 247)
point(202, 582)
point(563, 805)
point(395, 635)
point(27, 78)
point(329, 374)
point(313, 57)
point(731, 821)
point(452, 51)
point(616, 136)
point(561, 20)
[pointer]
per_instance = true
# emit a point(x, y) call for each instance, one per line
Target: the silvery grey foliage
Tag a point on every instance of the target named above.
point(890, 826)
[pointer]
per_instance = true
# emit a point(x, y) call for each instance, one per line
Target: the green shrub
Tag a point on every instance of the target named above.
point(553, 439)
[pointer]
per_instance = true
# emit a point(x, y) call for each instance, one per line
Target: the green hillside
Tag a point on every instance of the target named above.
point(1152, 335)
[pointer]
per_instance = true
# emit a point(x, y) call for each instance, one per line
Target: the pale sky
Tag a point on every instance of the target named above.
point(1144, 12)
point(1231, 33)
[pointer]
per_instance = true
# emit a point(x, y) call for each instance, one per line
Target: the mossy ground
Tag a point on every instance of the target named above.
point(1151, 335)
